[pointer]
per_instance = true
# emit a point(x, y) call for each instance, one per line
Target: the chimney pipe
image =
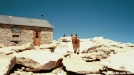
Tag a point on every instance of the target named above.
point(42, 16)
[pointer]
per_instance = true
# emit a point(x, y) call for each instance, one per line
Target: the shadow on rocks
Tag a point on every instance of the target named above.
point(15, 68)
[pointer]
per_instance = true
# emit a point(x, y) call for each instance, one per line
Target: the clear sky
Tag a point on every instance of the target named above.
point(112, 19)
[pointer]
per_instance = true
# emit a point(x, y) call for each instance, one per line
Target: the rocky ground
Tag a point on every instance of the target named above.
point(98, 56)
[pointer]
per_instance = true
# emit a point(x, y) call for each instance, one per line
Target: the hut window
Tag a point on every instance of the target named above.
point(16, 30)
point(15, 35)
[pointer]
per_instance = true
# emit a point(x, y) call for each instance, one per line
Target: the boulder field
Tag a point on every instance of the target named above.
point(97, 56)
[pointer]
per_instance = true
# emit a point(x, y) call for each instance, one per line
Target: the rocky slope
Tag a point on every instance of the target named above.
point(98, 55)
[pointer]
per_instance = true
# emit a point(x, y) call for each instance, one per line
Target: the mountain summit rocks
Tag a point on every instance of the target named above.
point(98, 55)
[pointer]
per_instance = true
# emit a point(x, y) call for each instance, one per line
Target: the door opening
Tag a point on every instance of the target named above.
point(36, 38)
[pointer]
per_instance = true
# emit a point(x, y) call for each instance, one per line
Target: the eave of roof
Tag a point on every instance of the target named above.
point(24, 21)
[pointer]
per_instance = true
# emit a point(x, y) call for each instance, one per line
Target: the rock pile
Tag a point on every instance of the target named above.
point(98, 55)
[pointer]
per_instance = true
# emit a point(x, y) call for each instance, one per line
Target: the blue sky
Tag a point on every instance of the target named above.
point(112, 19)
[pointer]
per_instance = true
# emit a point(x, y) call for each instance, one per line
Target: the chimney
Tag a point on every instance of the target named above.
point(42, 16)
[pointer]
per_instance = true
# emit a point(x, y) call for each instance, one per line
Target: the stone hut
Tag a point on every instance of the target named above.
point(18, 31)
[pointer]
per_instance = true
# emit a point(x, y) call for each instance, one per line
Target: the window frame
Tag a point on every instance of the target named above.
point(16, 30)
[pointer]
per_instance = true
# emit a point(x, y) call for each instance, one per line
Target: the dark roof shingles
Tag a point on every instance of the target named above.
point(24, 21)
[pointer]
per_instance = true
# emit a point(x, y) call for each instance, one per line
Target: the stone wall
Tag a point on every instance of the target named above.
point(25, 36)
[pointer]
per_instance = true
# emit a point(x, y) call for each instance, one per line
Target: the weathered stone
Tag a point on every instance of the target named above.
point(46, 74)
point(121, 61)
point(6, 50)
point(23, 47)
point(6, 64)
point(62, 47)
point(28, 46)
point(64, 39)
point(91, 48)
point(37, 60)
point(86, 45)
point(48, 46)
point(76, 64)
point(95, 55)
point(30, 73)
point(84, 40)
point(1, 45)
point(130, 44)
point(22, 73)
point(59, 71)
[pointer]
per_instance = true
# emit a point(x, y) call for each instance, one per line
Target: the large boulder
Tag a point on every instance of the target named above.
point(13, 49)
point(27, 46)
point(85, 46)
point(121, 61)
point(62, 47)
point(91, 47)
point(6, 50)
point(76, 64)
point(36, 60)
point(64, 39)
point(6, 64)
point(59, 71)
point(48, 46)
